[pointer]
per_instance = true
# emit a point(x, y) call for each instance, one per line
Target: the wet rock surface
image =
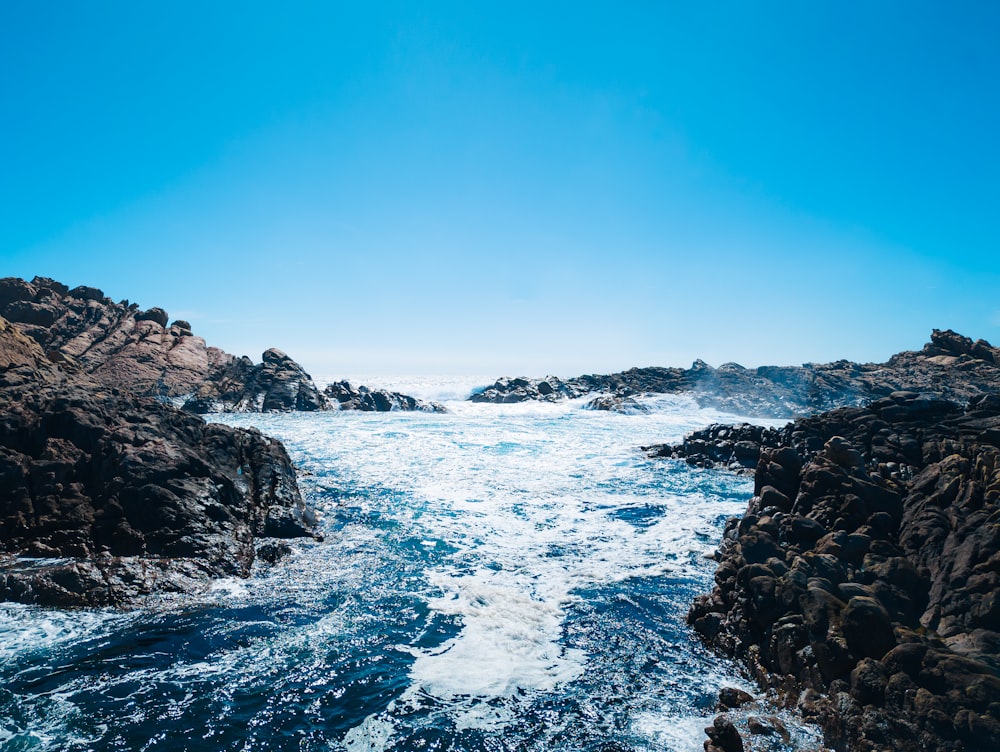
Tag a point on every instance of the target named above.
point(863, 580)
point(950, 366)
point(107, 496)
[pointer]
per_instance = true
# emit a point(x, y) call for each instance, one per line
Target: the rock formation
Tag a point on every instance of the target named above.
point(277, 384)
point(108, 496)
point(119, 345)
point(348, 397)
point(864, 579)
point(116, 343)
point(950, 365)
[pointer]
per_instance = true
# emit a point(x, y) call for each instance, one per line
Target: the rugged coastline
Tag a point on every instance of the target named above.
point(862, 582)
point(108, 497)
point(110, 491)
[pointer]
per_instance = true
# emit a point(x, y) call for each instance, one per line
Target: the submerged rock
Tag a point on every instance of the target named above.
point(108, 496)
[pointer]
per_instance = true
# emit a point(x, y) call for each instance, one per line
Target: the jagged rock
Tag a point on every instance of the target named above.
point(112, 496)
point(768, 726)
point(342, 393)
point(510, 390)
point(620, 402)
point(867, 567)
point(732, 697)
point(156, 315)
point(277, 384)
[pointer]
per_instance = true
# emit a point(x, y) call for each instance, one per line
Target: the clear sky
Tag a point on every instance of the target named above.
point(513, 187)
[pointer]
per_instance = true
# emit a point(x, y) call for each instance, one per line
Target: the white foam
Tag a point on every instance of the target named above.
point(508, 643)
point(371, 735)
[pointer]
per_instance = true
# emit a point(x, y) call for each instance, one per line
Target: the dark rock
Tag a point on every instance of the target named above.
point(723, 736)
point(156, 315)
point(867, 566)
point(273, 551)
point(732, 697)
point(277, 384)
point(768, 726)
point(868, 682)
point(122, 496)
point(348, 397)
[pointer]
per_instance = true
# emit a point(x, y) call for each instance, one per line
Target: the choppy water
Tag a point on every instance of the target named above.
point(495, 578)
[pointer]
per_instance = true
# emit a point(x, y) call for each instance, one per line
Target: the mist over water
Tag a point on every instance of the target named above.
point(494, 578)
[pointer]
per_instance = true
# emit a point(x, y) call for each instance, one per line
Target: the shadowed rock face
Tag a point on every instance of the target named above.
point(863, 578)
point(950, 366)
point(113, 496)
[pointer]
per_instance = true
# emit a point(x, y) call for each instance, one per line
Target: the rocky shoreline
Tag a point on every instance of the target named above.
point(110, 492)
point(950, 365)
point(863, 582)
point(108, 497)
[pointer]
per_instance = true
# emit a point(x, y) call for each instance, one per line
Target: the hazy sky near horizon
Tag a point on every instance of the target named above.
point(512, 187)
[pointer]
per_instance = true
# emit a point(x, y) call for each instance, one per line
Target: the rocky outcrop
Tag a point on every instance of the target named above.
point(121, 346)
point(108, 496)
point(348, 397)
point(736, 448)
point(276, 384)
point(950, 365)
point(508, 391)
point(863, 579)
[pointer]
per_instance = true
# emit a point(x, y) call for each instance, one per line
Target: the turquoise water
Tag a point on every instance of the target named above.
point(494, 578)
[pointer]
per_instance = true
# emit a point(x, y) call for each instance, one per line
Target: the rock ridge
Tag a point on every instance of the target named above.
point(122, 346)
point(950, 365)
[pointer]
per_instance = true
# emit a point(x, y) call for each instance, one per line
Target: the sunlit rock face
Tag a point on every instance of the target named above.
point(119, 345)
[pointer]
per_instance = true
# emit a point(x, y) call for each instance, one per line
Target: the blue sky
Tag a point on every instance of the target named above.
point(513, 187)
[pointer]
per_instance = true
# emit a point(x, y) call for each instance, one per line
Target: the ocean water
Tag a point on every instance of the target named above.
point(494, 578)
